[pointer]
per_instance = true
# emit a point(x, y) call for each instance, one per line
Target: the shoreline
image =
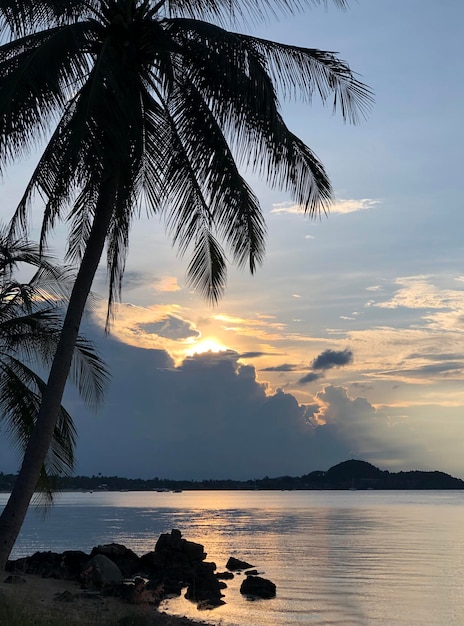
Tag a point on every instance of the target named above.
point(63, 600)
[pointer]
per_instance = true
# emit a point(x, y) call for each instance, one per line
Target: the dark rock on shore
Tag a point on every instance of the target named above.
point(234, 564)
point(175, 564)
point(205, 586)
point(257, 587)
point(125, 558)
point(65, 566)
point(101, 573)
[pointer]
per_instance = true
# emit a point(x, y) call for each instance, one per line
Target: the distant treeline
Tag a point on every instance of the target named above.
point(351, 474)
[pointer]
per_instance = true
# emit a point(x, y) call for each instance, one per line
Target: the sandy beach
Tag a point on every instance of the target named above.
point(40, 598)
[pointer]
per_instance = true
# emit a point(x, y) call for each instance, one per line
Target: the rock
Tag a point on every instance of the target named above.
point(206, 605)
point(125, 558)
point(136, 591)
point(72, 564)
point(14, 579)
point(174, 544)
point(65, 596)
point(251, 572)
point(45, 564)
point(66, 566)
point(100, 572)
point(258, 587)
point(235, 564)
point(177, 563)
point(225, 575)
point(205, 587)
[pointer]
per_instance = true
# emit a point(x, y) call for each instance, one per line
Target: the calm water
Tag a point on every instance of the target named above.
point(347, 558)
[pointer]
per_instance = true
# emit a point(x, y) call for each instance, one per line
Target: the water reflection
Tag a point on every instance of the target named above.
point(387, 559)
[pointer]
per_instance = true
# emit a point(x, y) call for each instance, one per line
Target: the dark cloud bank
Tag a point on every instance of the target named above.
point(210, 418)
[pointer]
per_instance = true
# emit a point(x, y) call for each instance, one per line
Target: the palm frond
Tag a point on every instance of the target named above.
point(20, 395)
point(303, 72)
point(24, 16)
point(207, 270)
point(203, 154)
point(227, 12)
point(31, 319)
point(232, 78)
point(39, 73)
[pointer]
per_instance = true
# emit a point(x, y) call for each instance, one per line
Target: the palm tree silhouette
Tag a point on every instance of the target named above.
point(148, 103)
point(31, 317)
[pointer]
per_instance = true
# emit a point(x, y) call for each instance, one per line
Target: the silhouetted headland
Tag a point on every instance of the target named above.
point(352, 474)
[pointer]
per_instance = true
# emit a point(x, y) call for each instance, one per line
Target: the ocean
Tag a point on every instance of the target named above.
point(380, 558)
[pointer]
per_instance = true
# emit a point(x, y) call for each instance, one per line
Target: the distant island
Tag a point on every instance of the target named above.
point(352, 474)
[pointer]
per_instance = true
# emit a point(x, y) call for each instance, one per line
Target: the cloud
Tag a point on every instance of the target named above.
point(332, 358)
point(168, 283)
point(254, 355)
point(324, 361)
point(156, 327)
point(285, 367)
point(209, 417)
point(134, 280)
point(309, 378)
point(339, 206)
point(454, 369)
point(353, 205)
point(171, 327)
point(261, 327)
point(419, 292)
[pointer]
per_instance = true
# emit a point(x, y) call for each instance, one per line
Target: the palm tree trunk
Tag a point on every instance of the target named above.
point(12, 517)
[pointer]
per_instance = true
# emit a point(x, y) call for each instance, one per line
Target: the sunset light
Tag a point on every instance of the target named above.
point(206, 345)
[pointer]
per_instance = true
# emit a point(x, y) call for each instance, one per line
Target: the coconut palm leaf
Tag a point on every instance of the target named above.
point(31, 319)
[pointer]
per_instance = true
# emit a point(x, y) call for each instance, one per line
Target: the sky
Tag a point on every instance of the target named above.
point(349, 341)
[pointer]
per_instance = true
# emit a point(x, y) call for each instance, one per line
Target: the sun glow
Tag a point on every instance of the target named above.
point(206, 345)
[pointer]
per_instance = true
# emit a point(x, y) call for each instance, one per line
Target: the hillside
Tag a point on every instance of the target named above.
point(352, 474)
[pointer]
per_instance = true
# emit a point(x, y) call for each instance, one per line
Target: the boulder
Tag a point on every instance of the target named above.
point(257, 587)
point(205, 586)
point(65, 566)
point(235, 564)
point(46, 564)
point(177, 563)
point(125, 558)
point(171, 544)
point(100, 573)
point(72, 564)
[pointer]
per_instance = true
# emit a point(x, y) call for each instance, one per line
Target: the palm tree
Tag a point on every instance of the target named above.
point(148, 103)
point(30, 326)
